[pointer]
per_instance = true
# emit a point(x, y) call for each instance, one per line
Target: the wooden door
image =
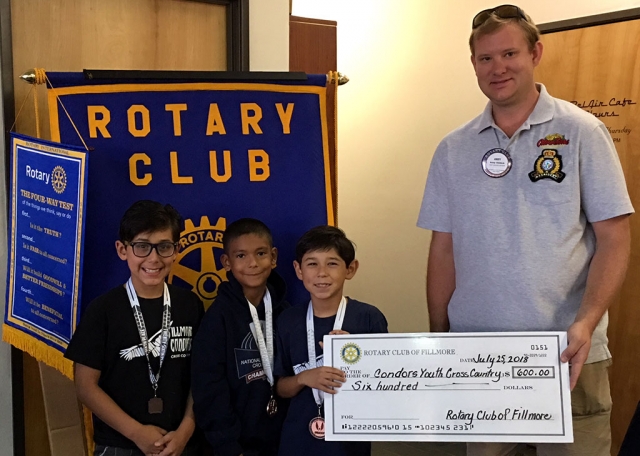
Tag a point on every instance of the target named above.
point(313, 49)
point(71, 35)
point(312, 45)
point(67, 35)
point(598, 68)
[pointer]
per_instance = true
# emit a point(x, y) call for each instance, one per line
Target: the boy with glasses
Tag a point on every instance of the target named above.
point(132, 347)
point(528, 208)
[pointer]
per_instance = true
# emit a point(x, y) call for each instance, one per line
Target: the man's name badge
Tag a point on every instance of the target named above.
point(316, 427)
point(272, 407)
point(155, 405)
point(496, 163)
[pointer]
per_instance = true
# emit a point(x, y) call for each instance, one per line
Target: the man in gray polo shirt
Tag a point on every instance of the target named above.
point(529, 211)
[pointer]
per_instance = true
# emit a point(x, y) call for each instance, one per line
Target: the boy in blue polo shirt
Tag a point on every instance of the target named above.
point(325, 258)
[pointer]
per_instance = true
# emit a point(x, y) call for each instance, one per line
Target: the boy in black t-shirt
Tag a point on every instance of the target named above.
point(232, 379)
point(325, 258)
point(132, 346)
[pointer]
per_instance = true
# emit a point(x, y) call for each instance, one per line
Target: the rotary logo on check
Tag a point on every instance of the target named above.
point(350, 353)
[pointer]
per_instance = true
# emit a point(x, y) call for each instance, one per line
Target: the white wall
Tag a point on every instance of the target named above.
point(269, 35)
point(411, 83)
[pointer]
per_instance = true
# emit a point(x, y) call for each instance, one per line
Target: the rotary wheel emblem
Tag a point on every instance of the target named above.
point(58, 179)
point(198, 262)
point(350, 353)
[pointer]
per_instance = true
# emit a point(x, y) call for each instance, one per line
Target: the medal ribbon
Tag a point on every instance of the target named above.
point(142, 329)
point(311, 342)
point(266, 348)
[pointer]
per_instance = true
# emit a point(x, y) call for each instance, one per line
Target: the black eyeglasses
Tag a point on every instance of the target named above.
point(502, 11)
point(143, 249)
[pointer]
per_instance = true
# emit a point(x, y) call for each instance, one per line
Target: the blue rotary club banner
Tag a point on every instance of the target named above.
point(46, 232)
point(215, 151)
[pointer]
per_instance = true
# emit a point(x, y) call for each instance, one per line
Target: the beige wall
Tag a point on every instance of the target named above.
point(411, 83)
point(269, 35)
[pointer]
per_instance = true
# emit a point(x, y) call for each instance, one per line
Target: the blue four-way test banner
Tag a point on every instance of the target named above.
point(46, 232)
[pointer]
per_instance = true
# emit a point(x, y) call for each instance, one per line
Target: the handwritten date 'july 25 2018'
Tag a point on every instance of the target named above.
point(496, 359)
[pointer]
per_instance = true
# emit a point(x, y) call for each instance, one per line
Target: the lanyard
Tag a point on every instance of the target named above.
point(266, 348)
point(142, 330)
point(311, 342)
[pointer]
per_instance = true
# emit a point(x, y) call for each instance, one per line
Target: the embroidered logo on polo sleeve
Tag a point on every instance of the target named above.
point(555, 139)
point(547, 166)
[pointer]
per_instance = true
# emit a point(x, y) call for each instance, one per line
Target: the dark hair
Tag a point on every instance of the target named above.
point(323, 238)
point(145, 216)
point(245, 226)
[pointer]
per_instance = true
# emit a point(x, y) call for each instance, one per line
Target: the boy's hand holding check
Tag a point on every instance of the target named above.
point(322, 378)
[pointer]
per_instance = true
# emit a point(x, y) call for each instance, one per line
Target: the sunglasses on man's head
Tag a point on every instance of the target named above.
point(502, 11)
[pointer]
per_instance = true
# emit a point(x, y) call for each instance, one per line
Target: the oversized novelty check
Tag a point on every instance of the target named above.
point(471, 387)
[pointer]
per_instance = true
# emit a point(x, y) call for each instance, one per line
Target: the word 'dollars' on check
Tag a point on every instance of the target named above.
point(470, 387)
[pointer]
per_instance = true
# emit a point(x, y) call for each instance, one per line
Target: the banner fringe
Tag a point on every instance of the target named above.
point(39, 350)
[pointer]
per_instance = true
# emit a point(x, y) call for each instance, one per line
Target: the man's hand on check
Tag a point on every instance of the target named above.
point(322, 378)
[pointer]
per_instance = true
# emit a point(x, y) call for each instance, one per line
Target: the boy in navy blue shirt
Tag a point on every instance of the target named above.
point(234, 402)
point(325, 258)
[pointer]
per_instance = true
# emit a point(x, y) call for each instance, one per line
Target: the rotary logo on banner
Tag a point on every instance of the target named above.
point(216, 151)
point(48, 193)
